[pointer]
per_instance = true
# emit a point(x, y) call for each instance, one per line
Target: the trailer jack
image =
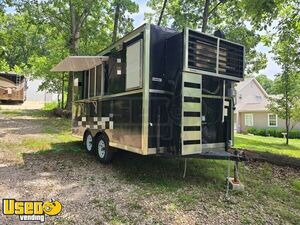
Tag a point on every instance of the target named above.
point(234, 182)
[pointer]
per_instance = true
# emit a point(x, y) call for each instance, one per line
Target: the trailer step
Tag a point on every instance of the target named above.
point(191, 114)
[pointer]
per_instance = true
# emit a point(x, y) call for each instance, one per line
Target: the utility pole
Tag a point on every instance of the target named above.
point(205, 16)
point(162, 12)
point(207, 13)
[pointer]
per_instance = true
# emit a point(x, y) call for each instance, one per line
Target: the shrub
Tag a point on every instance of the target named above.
point(252, 131)
point(273, 132)
point(50, 106)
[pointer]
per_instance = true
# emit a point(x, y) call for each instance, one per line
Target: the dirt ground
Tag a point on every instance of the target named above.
point(25, 105)
point(92, 193)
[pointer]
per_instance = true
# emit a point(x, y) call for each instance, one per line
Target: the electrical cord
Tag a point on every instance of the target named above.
point(228, 175)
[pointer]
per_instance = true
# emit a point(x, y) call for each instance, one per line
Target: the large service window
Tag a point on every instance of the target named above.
point(123, 71)
point(115, 72)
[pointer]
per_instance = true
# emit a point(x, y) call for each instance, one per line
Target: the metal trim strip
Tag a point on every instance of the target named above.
point(106, 97)
point(191, 135)
point(191, 121)
point(191, 107)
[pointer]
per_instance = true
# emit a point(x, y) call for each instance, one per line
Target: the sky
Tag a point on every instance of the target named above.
point(271, 69)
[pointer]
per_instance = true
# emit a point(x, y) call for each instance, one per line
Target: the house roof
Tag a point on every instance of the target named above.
point(260, 106)
point(247, 81)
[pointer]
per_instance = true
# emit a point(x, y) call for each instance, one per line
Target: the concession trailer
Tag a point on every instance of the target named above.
point(157, 91)
point(12, 87)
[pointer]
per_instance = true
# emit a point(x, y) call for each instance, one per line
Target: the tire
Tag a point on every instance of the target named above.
point(88, 142)
point(103, 152)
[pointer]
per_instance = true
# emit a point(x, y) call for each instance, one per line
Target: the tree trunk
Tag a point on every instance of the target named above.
point(116, 22)
point(162, 12)
point(205, 16)
point(62, 91)
point(287, 114)
point(74, 46)
point(70, 92)
point(58, 100)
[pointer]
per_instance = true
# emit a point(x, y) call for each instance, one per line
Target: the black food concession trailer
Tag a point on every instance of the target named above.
point(157, 91)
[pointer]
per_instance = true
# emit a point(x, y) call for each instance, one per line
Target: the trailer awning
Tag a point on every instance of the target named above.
point(78, 63)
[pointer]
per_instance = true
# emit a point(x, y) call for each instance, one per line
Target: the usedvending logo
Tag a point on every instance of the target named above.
point(31, 210)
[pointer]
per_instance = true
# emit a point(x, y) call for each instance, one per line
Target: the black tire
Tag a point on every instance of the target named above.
point(103, 152)
point(88, 142)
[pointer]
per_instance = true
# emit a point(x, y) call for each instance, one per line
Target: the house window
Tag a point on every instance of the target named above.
point(258, 98)
point(249, 120)
point(272, 120)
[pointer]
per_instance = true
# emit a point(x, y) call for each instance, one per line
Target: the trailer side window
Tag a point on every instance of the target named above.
point(92, 82)
point(78, 85)
point(134, 66)
point(98, 80)
point(116, 71)
point(86, 83)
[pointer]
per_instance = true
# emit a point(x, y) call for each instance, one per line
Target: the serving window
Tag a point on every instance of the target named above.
point(123, 72)
point(116, 72)
point(134, 65)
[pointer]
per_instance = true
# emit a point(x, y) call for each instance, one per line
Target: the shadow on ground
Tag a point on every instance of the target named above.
point(26, 122)
point(26, 112)
point(148, 171)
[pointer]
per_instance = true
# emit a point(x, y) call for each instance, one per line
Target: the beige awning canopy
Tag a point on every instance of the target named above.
point(78, 63)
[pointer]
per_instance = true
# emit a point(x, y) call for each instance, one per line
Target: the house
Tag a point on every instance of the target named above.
point(252, 108)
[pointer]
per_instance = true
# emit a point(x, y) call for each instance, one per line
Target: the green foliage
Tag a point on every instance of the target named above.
point(125, 23)
point(286, 104)
point(273, 132)
point(266, 83)
point(50, 106)
point(228, 17)
point(4, 67)
point(42, 33)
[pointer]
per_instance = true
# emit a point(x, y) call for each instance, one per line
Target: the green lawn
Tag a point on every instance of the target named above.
point(268, 144)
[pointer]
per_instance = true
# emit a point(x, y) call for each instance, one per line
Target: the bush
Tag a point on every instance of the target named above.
point(252, 131)
point(50, 106)
point(273, 132)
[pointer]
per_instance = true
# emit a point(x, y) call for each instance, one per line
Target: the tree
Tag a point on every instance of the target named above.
point(162, 12)
point(121, 7)
point(266, 83)
point(84, 26)
point(286, 45)
point(210, 15)
point(286, 105)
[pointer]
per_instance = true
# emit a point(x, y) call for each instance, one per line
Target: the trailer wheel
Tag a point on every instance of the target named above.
point(104, 154)
point(88, 142)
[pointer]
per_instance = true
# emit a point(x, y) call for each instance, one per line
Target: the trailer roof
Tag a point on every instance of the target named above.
point(78, 63)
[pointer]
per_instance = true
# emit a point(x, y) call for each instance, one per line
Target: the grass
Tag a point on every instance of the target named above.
point(268, 144)
point(266, 192)
point(55, 131)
